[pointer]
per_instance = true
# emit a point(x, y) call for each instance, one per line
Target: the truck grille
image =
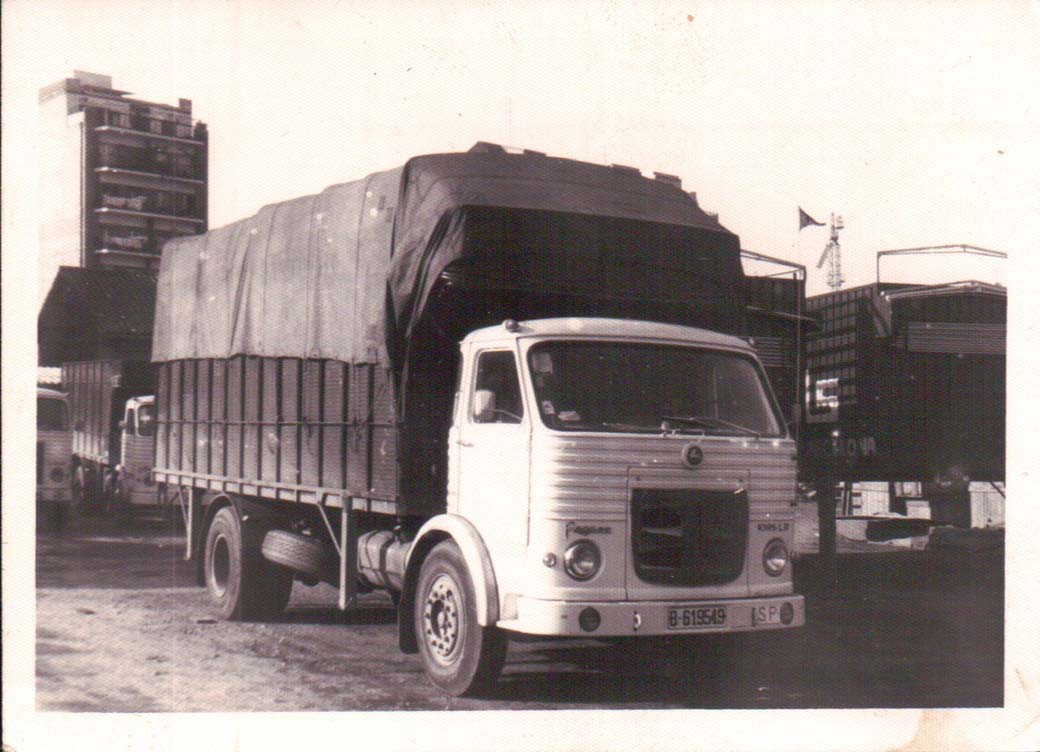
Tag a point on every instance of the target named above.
point(39, 462)
point(689, 537)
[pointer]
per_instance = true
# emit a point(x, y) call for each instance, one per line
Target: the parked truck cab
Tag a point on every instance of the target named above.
point(622, 478)
point(53, 454)
point(134, 485)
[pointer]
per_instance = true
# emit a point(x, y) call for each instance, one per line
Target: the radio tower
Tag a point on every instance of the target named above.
point(832, 254)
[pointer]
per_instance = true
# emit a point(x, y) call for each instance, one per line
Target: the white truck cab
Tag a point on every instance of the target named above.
point(626, 478)
point(53, 456)
point(134, 484)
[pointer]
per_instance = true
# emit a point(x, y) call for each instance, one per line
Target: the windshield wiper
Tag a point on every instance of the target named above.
point(709, 422)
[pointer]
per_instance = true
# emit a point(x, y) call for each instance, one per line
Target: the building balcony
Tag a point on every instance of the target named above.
point(130, 211)
point(121, 253)
point(117, 258)
point(147, 173)
point(146, 134)
point(123, 243)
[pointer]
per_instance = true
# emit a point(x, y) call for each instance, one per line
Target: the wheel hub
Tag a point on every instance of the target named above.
point(441, 619)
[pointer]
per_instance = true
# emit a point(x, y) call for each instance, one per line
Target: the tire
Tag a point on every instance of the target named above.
point(460, 656)
point(242, 586)
point(299, 553)
point(57, 516)
point(76, 490)
point(84, 493)
point(119, 500)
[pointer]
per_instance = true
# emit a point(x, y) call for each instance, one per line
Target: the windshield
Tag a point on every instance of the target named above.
point(145, 420)
point(50, 414)
point(625, 387)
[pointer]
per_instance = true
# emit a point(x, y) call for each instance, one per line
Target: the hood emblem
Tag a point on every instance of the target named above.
point(692, 455)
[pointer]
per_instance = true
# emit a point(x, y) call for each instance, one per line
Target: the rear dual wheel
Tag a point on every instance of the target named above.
point(241, 583)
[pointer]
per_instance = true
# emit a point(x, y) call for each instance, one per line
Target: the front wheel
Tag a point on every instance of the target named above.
point(459, 655)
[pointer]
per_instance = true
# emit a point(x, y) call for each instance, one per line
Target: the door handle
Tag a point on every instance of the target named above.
point(463, 443)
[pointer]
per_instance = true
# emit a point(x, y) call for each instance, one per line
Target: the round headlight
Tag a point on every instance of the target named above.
point(582, 560)
point(58, 474)
point(774, 557)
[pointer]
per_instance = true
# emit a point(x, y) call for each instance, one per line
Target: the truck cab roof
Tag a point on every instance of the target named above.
point(608, 328)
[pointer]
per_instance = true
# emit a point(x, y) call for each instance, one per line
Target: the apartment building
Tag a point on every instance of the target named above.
point(120, 176)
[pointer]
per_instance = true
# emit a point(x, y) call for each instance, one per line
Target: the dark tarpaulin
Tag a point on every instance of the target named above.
point(340, 274)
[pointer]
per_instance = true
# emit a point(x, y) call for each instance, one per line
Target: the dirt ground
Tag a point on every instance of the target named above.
point(121, 626)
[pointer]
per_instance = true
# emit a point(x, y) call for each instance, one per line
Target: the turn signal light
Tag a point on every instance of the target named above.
point(589, 619)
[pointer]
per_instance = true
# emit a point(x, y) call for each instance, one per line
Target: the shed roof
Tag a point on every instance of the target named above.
point(101, 302)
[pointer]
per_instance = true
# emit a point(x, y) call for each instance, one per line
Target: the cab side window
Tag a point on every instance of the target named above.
point(496, 398)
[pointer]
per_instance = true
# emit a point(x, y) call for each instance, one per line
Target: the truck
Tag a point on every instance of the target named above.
point(53, 449)
point(907, 386)
point(98, 391)
point(133, 484)
point(514, 391)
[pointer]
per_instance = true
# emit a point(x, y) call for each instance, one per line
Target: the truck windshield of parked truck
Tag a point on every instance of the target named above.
point(51, 414)
point(624, 387)
point(146, 420)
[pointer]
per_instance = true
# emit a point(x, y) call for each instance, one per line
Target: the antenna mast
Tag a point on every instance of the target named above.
point(832, 254)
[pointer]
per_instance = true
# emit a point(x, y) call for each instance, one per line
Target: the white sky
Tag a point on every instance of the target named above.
point(917, 121)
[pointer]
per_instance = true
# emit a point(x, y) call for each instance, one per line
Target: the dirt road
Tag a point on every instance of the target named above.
point(121, 626)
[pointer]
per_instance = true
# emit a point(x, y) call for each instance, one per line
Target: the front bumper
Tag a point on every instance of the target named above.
point(630, 618)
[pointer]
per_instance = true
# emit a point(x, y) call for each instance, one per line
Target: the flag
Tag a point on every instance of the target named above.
point(804, 219)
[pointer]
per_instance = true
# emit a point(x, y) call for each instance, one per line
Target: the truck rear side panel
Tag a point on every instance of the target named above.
point(290, 429)
point(918, 383)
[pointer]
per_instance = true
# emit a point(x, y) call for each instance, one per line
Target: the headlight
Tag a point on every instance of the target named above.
point(58, 474)
point(774, 557)
point(582, 560)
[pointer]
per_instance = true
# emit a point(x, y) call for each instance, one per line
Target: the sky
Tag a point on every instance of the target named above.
point(917, 122)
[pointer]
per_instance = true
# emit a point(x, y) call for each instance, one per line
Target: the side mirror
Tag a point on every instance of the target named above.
point(484, 406)
point(122, 425)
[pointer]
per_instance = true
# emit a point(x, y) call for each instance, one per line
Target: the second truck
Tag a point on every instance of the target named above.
point(504, 387)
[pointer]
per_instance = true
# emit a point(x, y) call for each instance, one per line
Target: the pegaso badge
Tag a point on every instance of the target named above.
point(574, 527)
point(692, 455)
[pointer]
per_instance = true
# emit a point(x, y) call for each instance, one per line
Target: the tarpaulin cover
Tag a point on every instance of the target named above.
point(342, 273)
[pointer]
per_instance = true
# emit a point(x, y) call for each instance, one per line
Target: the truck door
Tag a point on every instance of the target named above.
point(493, 440)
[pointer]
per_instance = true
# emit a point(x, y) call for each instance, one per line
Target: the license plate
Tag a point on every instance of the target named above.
point(769, 614)
point(697, 617)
